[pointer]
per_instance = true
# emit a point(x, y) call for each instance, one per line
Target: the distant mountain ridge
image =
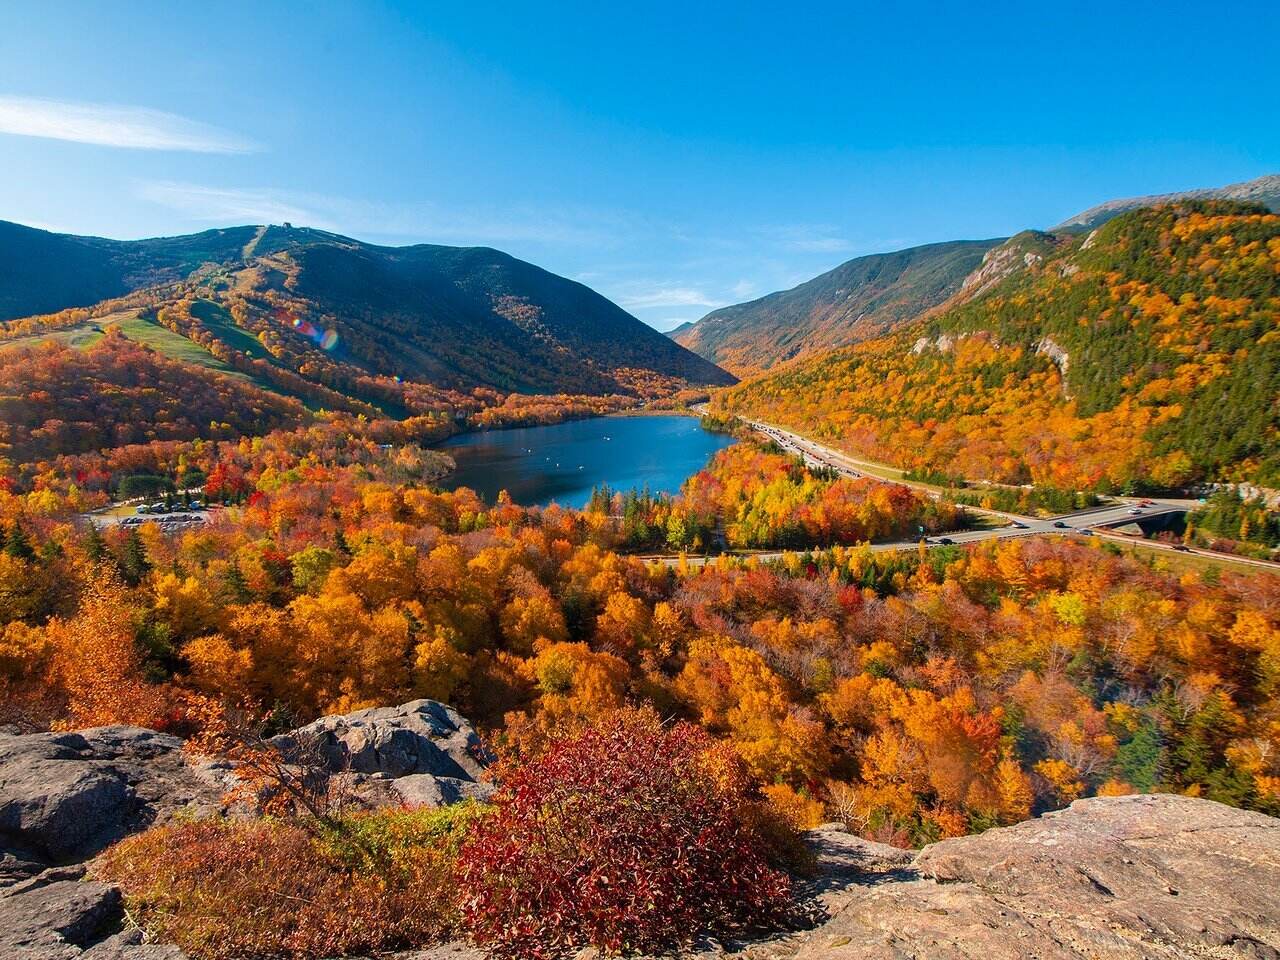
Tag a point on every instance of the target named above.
point(456, 318)
point(860, 299)
point(1264, 190)
point(868, 296)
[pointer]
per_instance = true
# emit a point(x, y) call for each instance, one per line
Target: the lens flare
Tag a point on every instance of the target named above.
point(329, 340)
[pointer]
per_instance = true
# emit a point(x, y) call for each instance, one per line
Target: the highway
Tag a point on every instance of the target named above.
point(1091, 522)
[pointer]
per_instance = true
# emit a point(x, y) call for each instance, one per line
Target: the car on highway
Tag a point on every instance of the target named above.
point(1019, 525)
point(1182, 548)
point(1062, 525)
point(1084, 531)
point(946, 542)
point(1135, 512)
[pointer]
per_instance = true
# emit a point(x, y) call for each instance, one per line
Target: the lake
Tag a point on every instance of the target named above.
point(564, 461)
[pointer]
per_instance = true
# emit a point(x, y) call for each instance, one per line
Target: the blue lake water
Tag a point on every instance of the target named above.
point(563, 462)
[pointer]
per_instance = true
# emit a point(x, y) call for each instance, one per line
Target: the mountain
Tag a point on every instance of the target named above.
point(1145, 353)
point(45, 272)
point(372, 323)
point(464, 317)
point(1263, 190)
point(856, 301)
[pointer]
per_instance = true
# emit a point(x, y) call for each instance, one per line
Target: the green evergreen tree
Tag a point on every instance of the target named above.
point(17, 544)
point(133, 559)
point(95, 547)
point(234, 588)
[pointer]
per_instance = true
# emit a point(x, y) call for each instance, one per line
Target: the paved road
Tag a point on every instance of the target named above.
point(818, 455)
point(1092, 522)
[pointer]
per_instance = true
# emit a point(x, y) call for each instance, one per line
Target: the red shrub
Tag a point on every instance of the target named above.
point(629, 835)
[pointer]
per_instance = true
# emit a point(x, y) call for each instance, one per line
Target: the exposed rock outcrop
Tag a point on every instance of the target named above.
point(1048, 347)
point(60, 916)
point(65, 796)
point(1144, 877)
point(421, 753)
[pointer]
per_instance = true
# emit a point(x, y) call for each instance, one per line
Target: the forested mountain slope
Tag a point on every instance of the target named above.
point(454, 317)
point(475, 316)
point(45, 272)
point(56, 399)
point(429, 333)
point(1143, 352)
point(858, 300)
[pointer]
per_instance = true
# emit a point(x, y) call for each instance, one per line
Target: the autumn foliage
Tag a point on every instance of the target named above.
point(628, 836)
point(1143, 353)
point(914, 695)
point(58, 400)
point(226, 889)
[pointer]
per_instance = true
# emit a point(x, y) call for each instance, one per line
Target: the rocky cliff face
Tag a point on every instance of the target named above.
point(1120, 878)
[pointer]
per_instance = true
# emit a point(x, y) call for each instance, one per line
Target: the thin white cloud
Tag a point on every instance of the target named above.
point(817, 238)
point(667, 297)
point(743, 289)
point(229, 205)
point(107, 125)
point(414, 221)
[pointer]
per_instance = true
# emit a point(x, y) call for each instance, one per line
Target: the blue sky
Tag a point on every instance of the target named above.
point(676, 157)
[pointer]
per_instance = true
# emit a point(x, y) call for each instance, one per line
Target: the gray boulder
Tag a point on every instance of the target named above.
point(65, 796)
point(57, 916)
point(424, 752)
point(425, 790)
point(56, 920)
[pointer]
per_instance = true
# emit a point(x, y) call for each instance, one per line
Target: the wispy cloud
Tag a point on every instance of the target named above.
point(418, 221)
point(665, 296)
point(109, 125)
point(229, 205)
point(809, 238)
